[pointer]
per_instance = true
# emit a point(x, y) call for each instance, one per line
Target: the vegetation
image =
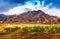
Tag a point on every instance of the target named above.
point(29, 31)
point(46, 29)
point(9, 30)
point(32, 28)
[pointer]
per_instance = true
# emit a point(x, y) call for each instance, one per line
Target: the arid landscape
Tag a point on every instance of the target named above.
point(30, 25)
point(29, 19)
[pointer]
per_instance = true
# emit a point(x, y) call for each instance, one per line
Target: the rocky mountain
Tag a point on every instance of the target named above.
point(33, 17)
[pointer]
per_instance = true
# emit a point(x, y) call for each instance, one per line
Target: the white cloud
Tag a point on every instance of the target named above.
point(20, 9)
point(30, 6)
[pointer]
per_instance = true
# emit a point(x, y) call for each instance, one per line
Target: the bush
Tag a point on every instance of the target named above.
point(11, 29)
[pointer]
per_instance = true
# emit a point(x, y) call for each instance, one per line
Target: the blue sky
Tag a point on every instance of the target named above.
point(10, 7)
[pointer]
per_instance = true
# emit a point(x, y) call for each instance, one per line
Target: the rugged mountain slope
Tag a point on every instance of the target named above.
point(33, 17)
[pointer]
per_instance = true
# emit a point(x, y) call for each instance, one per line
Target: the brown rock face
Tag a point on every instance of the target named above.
point(33, 17)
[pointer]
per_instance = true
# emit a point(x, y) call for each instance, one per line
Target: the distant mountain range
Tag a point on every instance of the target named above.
point(31, 17)
point(2, 17)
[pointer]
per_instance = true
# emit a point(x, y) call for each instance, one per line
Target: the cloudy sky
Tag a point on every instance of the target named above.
point(10, 7)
